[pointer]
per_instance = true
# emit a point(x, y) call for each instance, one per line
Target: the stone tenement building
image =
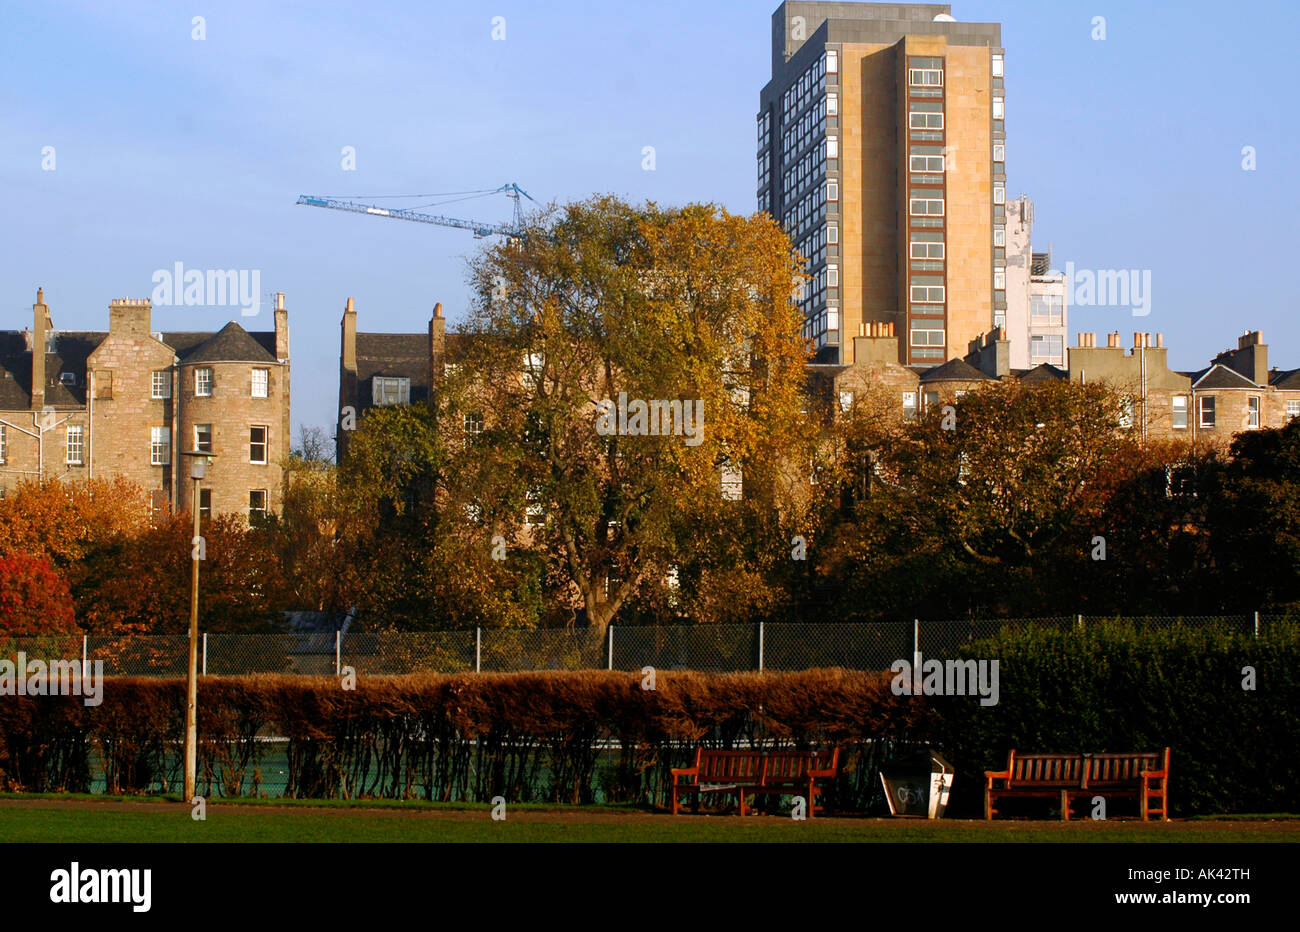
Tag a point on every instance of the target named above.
point(377, 369)
point(1237, 391)
point(77, 405)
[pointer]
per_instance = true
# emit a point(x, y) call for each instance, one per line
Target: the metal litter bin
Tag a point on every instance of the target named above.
point(917, 784)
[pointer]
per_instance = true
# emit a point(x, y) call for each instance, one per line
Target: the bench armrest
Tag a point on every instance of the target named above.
point(992, 775)
point(685, 772)
point(1162, 773)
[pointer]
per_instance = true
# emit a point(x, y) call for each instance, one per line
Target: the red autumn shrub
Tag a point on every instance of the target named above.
point(35, 600)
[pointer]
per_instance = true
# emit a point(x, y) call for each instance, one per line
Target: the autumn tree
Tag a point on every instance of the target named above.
point(308, 538)
point(408, 555)
point(1253, 516)
point(984, 506)
point(65, 521)
point(597, 312)
point(34, 598)
point(1159, 553)
point(142, 584)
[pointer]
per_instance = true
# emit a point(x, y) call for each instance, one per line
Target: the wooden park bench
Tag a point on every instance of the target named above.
point(751, 773)
point(1066, 777)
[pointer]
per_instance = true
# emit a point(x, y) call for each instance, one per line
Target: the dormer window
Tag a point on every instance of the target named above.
point(67, 378)
point(389, 390)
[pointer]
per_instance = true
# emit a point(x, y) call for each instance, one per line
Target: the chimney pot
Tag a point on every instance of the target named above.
point(351, 308)
point(437, 309)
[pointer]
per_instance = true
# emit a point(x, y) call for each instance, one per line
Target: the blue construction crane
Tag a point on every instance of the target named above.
point(479, 228)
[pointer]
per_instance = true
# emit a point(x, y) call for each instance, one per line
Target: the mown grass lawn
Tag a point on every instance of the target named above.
point(46, 819)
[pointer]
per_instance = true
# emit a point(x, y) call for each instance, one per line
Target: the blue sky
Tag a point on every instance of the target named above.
point(169, 149)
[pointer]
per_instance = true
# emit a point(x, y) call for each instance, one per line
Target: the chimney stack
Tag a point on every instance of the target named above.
point(129, 317)
point(437, 342)
point(348, 393)
point(281, 328)
point(41, 326)
point(348, 352)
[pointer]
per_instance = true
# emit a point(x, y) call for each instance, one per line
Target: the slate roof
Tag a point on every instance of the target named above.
point(232, 343)
point(314, 632)
point(15, 372)
point(1043, 372)
point(400, 355)
point(1220, 376)
point(456, 345)
point(73, 347)
point(1287, 380)
point(954, 370)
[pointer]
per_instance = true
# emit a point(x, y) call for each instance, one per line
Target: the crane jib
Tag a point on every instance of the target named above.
point(479, 228)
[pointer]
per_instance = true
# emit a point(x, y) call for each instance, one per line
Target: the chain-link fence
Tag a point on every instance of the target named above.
point(706, 648)
point(703, 648)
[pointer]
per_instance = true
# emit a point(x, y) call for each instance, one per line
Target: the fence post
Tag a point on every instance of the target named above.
point(338, 652)
point(478, 650)
point(85, 653)
point(205, 653)
point(760, 647)
point(1257, 625)
point(916, 643)
point(1078, 622)
point(610, 649)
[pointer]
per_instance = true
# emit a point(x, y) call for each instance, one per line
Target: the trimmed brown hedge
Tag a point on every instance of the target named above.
point(562, 737)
